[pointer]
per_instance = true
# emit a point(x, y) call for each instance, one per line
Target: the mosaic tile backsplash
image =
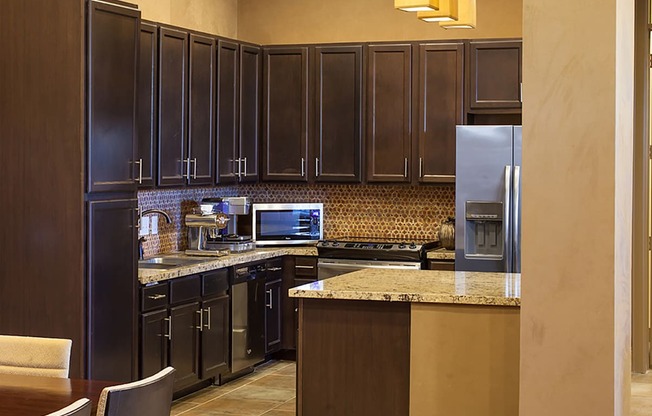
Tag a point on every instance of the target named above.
point(405, 212)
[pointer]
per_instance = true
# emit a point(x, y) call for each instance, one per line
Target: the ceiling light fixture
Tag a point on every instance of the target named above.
point(416, 5)
point(447, 12)
point(466, 18)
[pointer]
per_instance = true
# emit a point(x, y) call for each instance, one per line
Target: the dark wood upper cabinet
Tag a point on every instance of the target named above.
point(227, 112)
point(113, 36)
point(172, 113)
point(389, 113)
point(285, 114)
point(337, 124)
point(146, 104)
point(201, 111)
point(251, 67)
point(111, 290)
point(440, 108)
point(494, 75)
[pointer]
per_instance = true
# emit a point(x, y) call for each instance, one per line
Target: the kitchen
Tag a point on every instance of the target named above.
point(44, 246)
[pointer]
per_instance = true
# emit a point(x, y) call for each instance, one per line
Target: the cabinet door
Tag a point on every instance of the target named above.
point(184, 344)
point(112, 59)
point(111, 290)
point(201, 134)
point(153, 342)
point(251, 63)
point(272, 316)
point(337, 142)
point(146, 104)
point(389, 81)
point(440, 109)
point(215, 336)
point(172, 67)
point(494, 75)
point(227, 114)
point(285, 114)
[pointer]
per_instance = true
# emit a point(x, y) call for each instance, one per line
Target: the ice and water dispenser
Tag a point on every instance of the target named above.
point(484, 229)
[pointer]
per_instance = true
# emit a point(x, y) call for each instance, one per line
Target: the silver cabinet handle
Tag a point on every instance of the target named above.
point(139, 162)
point(169, 334)
point(187, 169)
point(238, 161)
point(244, 171)
point(137, 218)
point(156, 297)
point(405, 167)
point(274, 269)
point(316, 166)
point(421, 167)
point(270, 305)
point(303, 167)
point(194, 168)
point(303, 267)
point(201, 320)
point(208, 318)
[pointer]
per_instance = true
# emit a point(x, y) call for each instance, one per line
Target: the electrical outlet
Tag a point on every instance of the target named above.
point(144, 226)
point(153, 226)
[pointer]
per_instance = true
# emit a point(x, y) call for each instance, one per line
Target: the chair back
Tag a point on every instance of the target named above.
point(151, 396)
point(81, 407)
point(35, 356)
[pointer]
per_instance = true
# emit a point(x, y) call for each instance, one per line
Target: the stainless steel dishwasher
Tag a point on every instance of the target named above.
point(247, 317)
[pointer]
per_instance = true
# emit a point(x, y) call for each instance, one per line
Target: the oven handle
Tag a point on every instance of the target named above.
point(368, 265)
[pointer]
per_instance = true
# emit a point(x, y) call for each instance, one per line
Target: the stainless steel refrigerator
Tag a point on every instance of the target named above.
point(487, 199)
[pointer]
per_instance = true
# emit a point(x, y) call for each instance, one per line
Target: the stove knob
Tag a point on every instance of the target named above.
point(413, 246)
point(335, 244)
point(401, 245)
point(324, 244)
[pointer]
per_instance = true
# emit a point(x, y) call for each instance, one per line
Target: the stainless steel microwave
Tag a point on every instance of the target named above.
point(283, 224)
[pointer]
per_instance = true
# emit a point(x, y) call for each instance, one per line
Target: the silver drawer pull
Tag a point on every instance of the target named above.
point(208, 318)
point(156, 297)
point(274, 269)
point(201, 320)
point(270, 305)
point(303, 267)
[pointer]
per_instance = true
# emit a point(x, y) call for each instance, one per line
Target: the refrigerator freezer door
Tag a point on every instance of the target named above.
point(483, 169)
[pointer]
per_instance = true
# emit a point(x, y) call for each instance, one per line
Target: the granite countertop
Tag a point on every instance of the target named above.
point(146, 276)
point(440, 254)
point(419, 286)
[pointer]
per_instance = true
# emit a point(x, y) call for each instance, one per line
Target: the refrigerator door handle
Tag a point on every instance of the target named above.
point(507, 230)
point(516, 191)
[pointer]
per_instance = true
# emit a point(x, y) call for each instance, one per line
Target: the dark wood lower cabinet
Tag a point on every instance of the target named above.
point(184, 347)
point(153, 342)
point(273, 316)
point(215, 336)
point(353, 358)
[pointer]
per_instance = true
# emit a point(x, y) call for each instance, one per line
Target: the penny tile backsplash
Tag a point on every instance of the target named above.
point(396, 211)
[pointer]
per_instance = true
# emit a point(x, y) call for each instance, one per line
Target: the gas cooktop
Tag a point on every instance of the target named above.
point(375, 248)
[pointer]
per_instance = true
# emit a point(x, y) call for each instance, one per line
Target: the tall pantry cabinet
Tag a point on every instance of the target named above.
point(67, 128)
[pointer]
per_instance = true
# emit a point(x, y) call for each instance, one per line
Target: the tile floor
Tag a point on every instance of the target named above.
point(269, 391)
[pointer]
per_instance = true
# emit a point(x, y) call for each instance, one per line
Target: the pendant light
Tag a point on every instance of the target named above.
point(448, 11)
point(416, 5)
point(466, 18)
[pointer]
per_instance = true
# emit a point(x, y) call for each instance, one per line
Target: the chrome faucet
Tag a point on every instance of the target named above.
point(158, 211)
point(148, 212)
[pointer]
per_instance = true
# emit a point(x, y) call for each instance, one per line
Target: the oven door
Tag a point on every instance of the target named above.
point(332, 267)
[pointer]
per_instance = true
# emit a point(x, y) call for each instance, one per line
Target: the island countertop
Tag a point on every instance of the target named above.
point(418, 286)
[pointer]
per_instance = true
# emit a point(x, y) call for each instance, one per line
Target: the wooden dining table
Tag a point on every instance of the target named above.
point(38, 396)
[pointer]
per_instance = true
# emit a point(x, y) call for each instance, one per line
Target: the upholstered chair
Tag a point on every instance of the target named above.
point(81, 407)
point(35, 356)
point(151, 396)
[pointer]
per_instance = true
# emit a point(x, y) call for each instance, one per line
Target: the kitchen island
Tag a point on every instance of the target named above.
point(409, 342)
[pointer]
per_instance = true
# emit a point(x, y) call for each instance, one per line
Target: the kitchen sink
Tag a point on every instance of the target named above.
point(164, 263)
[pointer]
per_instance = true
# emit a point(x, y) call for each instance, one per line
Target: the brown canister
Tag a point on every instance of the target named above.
point(447, 234)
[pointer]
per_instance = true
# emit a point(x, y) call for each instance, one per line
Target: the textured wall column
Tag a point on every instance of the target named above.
point(577, 183)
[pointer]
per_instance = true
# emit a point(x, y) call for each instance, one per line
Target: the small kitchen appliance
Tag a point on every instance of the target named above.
point(287, 223)
point(213, 231)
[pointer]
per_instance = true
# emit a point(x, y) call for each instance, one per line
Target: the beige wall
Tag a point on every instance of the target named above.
point(577, 158)
point(218, 17)
point(308, 21)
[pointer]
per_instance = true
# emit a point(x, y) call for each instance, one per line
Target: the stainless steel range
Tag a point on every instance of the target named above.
point(347, 254)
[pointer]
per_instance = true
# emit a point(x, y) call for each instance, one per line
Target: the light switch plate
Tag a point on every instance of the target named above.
point(153, 226)
point(144, 226)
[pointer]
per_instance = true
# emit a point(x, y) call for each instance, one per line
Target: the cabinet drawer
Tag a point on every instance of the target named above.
point(185, 288)
point(305, 266)
point(154, 297)
point(441, 265)
point(274, 270)
point(215, 282)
